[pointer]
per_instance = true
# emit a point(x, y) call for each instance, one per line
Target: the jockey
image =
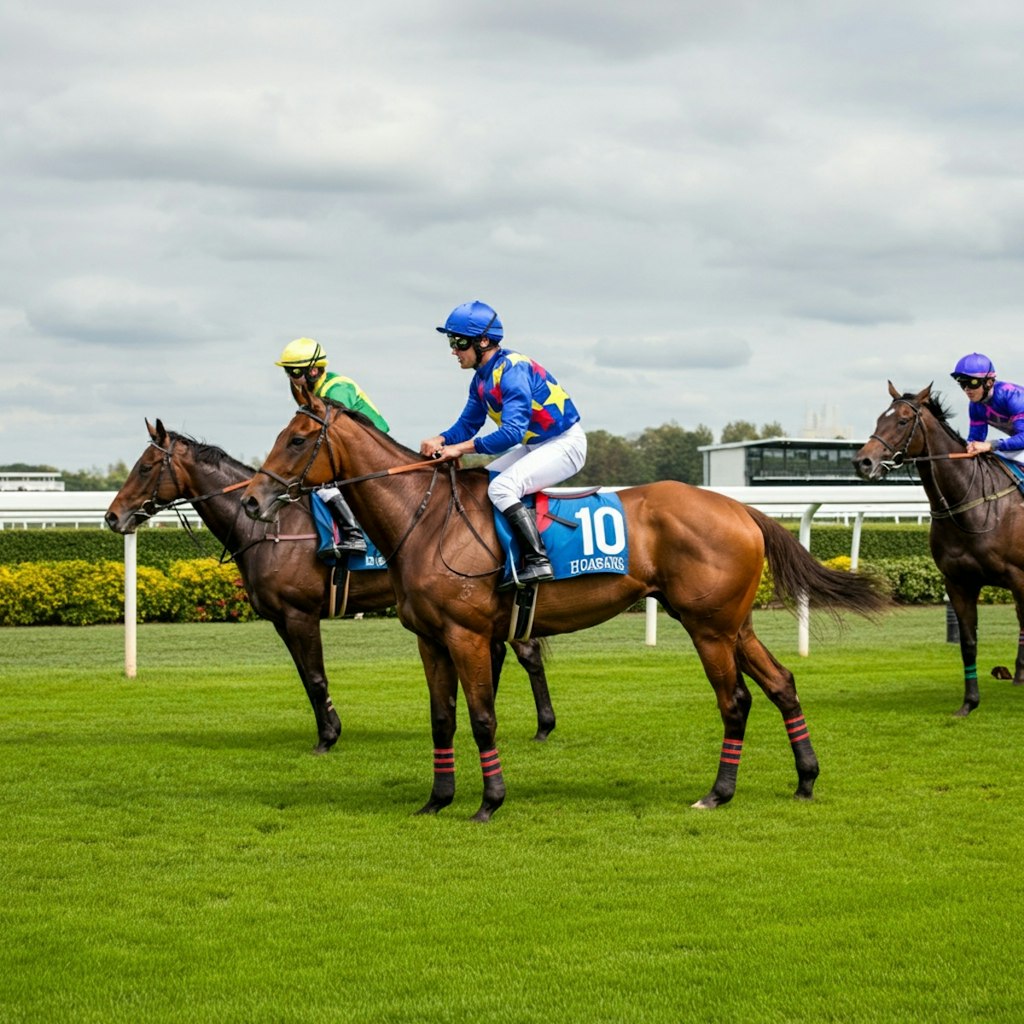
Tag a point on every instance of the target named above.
point(538, 431)
point(306, 362)
point(993, 403)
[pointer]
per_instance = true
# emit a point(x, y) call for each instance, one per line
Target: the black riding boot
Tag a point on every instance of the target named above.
point(350, 537)
point(536, 567)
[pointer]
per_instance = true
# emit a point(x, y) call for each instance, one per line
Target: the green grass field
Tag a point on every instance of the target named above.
point(171, 851)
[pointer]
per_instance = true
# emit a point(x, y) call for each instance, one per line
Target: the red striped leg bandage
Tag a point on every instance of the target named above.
point(490, 763)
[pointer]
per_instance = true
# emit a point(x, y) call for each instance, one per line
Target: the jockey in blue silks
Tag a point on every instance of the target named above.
point(539, 430)
point(993, 403)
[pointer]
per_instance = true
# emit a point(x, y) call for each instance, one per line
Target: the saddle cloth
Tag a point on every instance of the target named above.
point(327, 534)
point(1016, 470)
point(582, 534)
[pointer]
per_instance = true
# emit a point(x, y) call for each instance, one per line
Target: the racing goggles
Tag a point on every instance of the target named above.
point(460, 342)
point(969, 383)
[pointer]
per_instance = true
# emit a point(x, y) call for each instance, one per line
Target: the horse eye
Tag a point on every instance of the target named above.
point(143, 470)
point(297, 442)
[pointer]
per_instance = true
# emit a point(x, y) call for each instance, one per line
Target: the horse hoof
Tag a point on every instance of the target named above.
point(704, 804)
point(1002, 672)
point(484, 814)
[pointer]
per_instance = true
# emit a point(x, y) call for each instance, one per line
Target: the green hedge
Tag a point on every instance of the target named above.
point(158, 546)
point(877, 540)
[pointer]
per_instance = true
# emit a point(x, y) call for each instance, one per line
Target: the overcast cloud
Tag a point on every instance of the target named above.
point(699, 212)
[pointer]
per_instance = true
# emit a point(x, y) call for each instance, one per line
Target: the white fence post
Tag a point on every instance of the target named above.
point(130, 603)
point(651, 611)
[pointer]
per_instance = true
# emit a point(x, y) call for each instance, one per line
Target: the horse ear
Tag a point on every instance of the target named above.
point(308, 399)
point(150, 428)
point(923, 396)
point(892, 391)
point(161, 433)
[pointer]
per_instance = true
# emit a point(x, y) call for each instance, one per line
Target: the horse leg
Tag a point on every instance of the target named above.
point(719, 660)
point(443, 683)
point(777, 683)
point(301, 635)
point(531, 656)
point(1018, 668)
point(964, 599)
point(471, 654)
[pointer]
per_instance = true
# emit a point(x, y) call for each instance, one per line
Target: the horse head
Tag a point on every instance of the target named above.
point(303, 458)
point(152, 483)
point(912, 427)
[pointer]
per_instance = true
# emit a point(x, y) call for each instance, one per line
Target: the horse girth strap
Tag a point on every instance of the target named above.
point(968, 505)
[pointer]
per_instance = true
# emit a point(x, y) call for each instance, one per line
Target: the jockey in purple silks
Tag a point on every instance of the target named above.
point(993, 403)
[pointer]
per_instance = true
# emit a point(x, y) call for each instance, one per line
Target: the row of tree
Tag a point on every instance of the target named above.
point(94, 479)
point(668, 452)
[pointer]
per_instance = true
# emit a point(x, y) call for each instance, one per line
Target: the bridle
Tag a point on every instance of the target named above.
point(295, 488)
point(899, 458)
point(153, 504)
point(899, 452)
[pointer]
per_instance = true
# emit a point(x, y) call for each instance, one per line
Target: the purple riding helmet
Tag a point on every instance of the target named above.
point(973, 365)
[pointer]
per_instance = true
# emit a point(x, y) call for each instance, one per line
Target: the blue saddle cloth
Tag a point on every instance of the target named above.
point(327, 532)
point(1016, 470)
point(582, 534)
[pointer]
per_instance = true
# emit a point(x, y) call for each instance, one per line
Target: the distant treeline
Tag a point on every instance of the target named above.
point(93, 479)
point(668, 452)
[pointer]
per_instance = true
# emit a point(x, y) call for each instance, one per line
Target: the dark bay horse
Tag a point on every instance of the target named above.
point(977, 530)
point(284, 579)
point(700, 554)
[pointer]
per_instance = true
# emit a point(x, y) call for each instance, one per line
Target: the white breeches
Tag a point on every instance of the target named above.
point(528, 469)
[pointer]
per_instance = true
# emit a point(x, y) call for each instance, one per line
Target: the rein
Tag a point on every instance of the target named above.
point(175, 505)
point(296, 487)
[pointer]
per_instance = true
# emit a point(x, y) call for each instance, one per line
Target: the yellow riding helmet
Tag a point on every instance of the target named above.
point(302, 352)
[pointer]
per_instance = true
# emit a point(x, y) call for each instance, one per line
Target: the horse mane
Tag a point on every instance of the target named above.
point(941, 410)
point(365, 421)
point(210, 454)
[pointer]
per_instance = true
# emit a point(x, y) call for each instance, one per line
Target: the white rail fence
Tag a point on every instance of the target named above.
point(36, 509)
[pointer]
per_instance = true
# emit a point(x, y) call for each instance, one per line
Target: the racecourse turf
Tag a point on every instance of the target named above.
point(170, 850)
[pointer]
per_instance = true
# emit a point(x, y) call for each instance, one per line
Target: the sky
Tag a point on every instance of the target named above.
point(688, 212)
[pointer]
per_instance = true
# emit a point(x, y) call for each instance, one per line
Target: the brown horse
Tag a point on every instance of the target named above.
point(700, 554)
point(977, 530)
point(284, 579)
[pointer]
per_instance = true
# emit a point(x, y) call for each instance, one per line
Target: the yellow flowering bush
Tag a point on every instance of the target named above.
point(31, 594)
point(157, 598)
point(80, 593)
point(214, 592)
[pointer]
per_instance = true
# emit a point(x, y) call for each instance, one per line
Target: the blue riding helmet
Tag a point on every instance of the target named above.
point(473, 320)
point(974, 365)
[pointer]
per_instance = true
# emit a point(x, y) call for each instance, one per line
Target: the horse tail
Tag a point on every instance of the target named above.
point(795, 572)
